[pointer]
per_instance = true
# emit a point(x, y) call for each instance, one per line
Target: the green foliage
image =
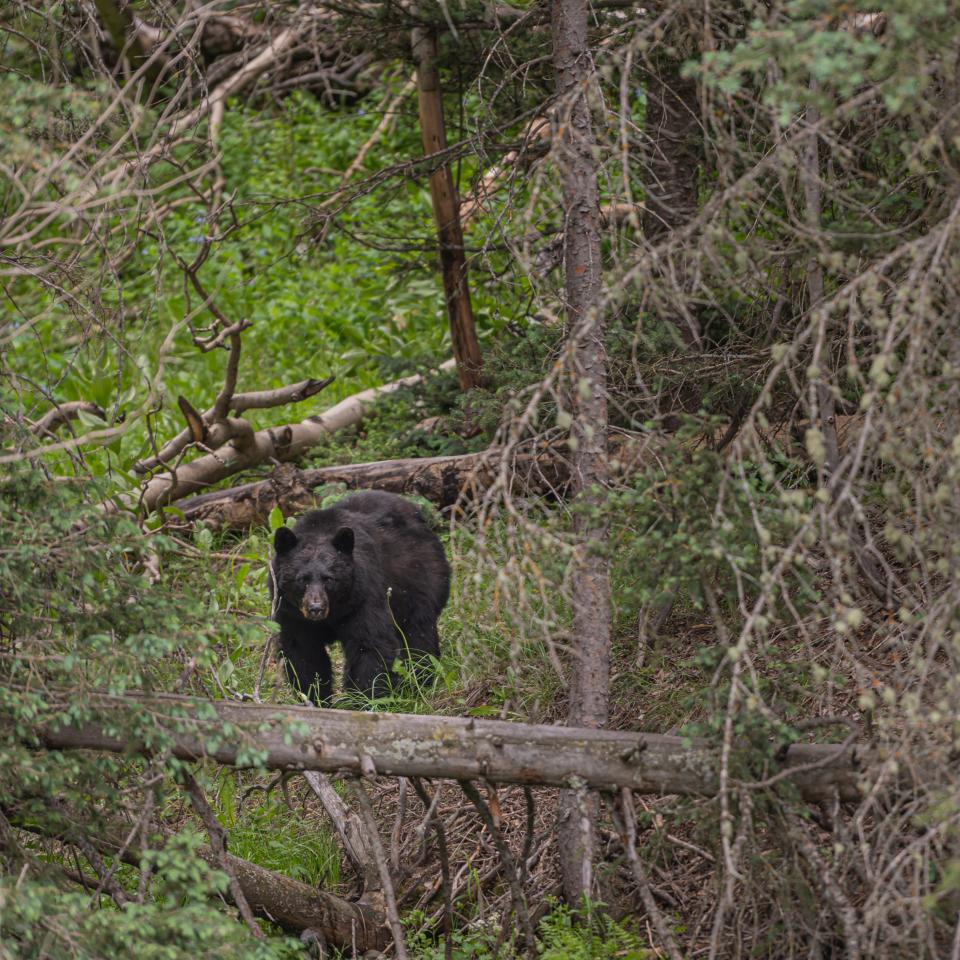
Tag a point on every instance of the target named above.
point(41, 918)
point(560, 936)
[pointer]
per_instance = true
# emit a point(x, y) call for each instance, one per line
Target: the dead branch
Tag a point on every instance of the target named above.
point(509, 866)
point(240, 402)
point(385, 121)
point(625, 820)
point(63, 413)
point(402, 745)
point(443, 854)
point(275, 443)
point(349, 828)
point(380, 857)
point(218, 844)
point(442, 480)
point(445, 481)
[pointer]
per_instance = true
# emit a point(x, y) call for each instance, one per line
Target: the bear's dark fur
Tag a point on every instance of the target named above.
point(367, 572)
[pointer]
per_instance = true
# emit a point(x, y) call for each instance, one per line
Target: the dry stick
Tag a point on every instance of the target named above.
point(437, 825)
point(396, 833)
point(627, 828)
point(349, 830)
point(845, 911)
point(268, 648)
point(376, 845)
point(528, 836)
point(218, 842)
point(509, 866)
point(822, 399)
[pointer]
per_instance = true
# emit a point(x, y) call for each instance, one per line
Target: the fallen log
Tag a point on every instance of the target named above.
point(442, 480)
point(289, 903)
point(448, 480)
point(402, 745)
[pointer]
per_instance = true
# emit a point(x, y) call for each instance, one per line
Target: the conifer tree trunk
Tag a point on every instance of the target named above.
point(575, 151)
point(674, 149)
point(446, 212)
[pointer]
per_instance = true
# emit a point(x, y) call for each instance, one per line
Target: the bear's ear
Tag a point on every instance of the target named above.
point(343, 540)
point(284, 539)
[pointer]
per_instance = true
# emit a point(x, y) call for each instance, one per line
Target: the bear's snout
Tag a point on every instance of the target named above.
point(315, 610)
point(315, 605)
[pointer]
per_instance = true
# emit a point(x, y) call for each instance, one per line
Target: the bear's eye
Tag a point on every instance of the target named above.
point(326, 578)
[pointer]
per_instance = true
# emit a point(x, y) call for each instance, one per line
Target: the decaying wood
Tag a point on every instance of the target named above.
point(462, 749)
point(442, 480)
point(275, 443)
point(350, 830)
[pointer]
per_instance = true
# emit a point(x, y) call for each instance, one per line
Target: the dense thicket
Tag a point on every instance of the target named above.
point(712, 255)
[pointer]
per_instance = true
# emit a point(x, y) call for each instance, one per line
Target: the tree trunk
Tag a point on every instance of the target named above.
point(675, 150)
point(458, 478)
point(446, 213)
point(575, 150)
point(415, 745)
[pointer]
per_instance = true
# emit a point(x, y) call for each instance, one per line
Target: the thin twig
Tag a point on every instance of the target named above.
point(509, 866)
point(376, 846)
point(443, 854)
point(627, 827)
point(218, 843)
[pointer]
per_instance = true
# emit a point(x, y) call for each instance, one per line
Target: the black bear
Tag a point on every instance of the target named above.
point(367, 572)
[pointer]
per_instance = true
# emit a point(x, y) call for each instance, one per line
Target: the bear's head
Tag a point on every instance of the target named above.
point(314, 573)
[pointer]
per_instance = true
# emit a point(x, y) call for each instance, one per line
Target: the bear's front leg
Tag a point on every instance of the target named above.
point(308, 666)
point(367, 670)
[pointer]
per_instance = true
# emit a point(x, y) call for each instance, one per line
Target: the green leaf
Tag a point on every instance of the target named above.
point(276, 519)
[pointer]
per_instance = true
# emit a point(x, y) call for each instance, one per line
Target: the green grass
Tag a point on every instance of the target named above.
point(267, 832)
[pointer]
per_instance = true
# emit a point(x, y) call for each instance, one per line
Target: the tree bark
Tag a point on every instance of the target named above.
point(575, 151)
point(446, 213)
point(415, 745)
point(674, 152)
